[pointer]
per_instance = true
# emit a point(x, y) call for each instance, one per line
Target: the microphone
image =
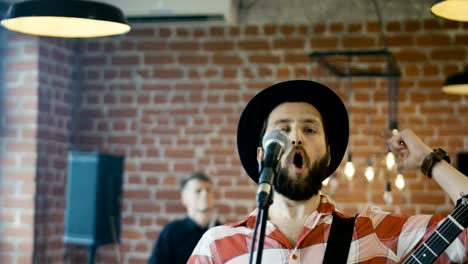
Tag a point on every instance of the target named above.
point(274, 143)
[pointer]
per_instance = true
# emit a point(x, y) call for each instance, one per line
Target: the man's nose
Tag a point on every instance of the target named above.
point(295, 137)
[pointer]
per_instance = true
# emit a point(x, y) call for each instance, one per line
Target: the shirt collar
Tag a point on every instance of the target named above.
point(325, 208)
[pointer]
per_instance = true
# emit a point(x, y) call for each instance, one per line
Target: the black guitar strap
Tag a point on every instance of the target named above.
point(339, 241)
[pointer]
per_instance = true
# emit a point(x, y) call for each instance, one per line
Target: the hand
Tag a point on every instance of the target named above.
point(409, 150)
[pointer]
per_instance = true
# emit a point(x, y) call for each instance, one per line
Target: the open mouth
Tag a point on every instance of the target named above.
point(298, 160)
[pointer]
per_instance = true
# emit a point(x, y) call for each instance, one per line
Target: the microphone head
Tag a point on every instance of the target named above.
point(276, 136)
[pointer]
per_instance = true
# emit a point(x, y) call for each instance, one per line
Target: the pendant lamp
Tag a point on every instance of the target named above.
point(456, 10)
point(457, 83)
point(65, 19)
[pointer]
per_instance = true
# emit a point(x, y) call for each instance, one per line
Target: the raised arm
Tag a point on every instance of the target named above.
point(410, 152)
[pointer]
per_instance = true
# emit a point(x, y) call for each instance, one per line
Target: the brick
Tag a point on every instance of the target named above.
point(448, 54)
point(270, 29)
point(373, 27)
point(158, 59)
point(164, 32)
point(319, 28)
point(145, 207)
point(287, 29)
point(142, 32)
point(288, 44)
point(353, 28)
point(412, 25)
point(125, 60)
point(227, 60)
point(336, 27)
point(193, 60)
point(168, 73)
point(218, 45)
point(431, 40)
point(324, 42)
point(216, 31)
point(358, 42)
point(151, 45)
point(409, 55)
point(251, 30)
point(199, 32)
point(264, 59)
point(253, 44)
point(400, 40)
point(181, 46)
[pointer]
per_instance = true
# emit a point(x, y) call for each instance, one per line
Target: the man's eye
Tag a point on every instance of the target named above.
point(309, 130)
point(285, 129)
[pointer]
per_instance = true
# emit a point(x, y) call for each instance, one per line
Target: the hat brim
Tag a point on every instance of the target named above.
point(327, 102)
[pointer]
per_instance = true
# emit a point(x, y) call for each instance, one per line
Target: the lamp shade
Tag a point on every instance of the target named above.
point(455, 10)
point(457, 83)
point(67, 19)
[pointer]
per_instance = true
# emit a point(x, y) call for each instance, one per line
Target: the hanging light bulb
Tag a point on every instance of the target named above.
point(332, 184)
point(369, 173)
point(388, 196)
point(390, 160)
point(400, 181)
point(349, 169)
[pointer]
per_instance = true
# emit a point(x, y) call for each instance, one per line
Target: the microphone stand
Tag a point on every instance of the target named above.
point(264, 203)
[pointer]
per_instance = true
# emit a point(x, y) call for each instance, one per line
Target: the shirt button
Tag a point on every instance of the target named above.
point(294, 256)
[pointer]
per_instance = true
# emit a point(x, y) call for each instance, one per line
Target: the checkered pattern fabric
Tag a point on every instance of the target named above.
point(378, 237)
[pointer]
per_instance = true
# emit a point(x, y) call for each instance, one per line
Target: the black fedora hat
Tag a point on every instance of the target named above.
point(327, 102)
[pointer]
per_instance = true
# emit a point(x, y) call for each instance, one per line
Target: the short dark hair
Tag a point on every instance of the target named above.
point(195, 176)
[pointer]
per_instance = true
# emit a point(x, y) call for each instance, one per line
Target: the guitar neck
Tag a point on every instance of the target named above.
point(437, 242)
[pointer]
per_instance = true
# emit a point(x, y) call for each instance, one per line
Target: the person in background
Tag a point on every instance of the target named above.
point(302, 222)
point(179, 237)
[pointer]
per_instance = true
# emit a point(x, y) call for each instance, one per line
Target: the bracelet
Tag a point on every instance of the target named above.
point(431, 159)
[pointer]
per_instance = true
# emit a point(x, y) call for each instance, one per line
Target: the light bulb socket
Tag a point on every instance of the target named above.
point(388, 187)
point(393, 125)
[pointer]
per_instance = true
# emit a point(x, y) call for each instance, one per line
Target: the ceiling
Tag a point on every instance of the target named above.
point(268, 11)
point(278, 11)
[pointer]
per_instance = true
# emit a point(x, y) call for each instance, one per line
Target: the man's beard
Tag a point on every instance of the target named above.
point(302, 188)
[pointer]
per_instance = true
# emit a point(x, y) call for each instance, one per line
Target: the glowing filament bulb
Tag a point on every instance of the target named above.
point(390, 160)
point(369, 173)
point(349, 170)
point(400, 181)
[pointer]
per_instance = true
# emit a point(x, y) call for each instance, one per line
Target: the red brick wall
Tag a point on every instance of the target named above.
point(18, 145)
point(55, 94)
point(169, 97)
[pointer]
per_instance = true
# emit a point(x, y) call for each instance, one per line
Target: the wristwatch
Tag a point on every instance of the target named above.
point(431, 159)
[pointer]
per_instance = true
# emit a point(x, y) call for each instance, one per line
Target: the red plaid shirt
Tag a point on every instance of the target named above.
point(378, 237)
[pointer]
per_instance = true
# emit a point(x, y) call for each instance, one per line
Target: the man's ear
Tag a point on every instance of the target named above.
point(183, 198)
point(259, 154)
point(259, 157)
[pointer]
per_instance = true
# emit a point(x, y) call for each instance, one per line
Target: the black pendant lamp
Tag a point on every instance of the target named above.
point(455, 10)
point(65, 19)
point(457, 83)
